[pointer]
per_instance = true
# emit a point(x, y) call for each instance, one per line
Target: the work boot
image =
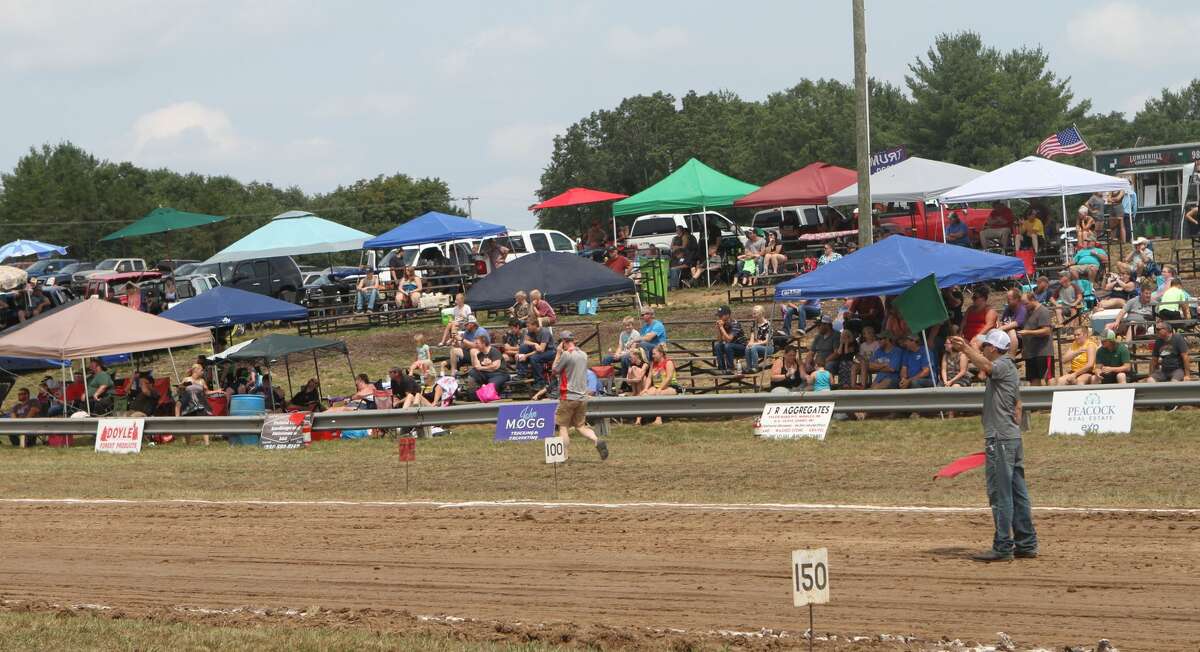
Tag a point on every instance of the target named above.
point(993, 555)
point(602, 448)
point(1025, 554)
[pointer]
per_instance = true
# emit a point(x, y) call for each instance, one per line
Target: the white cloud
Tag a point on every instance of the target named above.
point(387, 105)
point(626, 42)
point(499, 40)
point(1133, 34)
point(184, 119)
point(523, 142)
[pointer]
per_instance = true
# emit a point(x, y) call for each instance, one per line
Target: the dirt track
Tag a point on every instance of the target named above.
point(1133, 578)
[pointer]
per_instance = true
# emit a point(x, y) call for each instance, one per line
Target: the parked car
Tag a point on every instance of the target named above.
point(277, 276)
point(111, 286)
point(110, 266)
point(658, 230)
point(170, 265)
point(18, 300)
point(62, 278)
point(790, 222)
point(522, 243)
point(331, 281)
point(193, 285)
point(38, 271)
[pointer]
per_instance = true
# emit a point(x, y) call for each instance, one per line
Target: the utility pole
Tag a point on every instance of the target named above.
point(862, 126)
point(469, 200)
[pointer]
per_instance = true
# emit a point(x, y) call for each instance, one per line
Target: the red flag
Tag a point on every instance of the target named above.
point(959, 465)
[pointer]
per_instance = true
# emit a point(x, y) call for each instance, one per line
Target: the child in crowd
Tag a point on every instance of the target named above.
point(866, 348)
point(821, 379)
point(423, 365)
point(458, 319)
point(542, 309)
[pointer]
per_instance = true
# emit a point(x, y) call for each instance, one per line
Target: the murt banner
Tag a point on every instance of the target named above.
point(525, 422)
point(887, 158)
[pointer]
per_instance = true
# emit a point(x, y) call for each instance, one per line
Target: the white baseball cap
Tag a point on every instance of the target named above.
point(998, 339)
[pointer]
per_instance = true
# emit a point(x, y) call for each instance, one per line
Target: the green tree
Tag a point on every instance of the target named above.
point(1172, 117)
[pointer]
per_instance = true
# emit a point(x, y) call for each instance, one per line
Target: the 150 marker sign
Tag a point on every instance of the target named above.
point(810, 577)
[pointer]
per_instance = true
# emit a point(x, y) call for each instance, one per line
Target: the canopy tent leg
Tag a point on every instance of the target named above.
point(66, 381)
point(174, 369)
point(271, 386)
point(317, 371)
point(87, 396)
point(349, 364)
point(704, 227)
point(1066, 256)
point(288, 369)
point(614, 224)
point(943, 209)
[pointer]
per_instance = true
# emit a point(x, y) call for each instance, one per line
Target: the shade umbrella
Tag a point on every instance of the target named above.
point(12, 278)
point(19, 248)
point(580, 197)
point(294, 233)
point(163, 220)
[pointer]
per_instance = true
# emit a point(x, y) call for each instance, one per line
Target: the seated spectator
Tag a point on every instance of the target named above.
point(627, 342)
point(760, 344)
point(1068, 298)
point(51, 397)
point(1174, 303)
point(802, 310)
point(957, 233)
point(823, 343)
point(368, 291)
point(535, 353)
point(423, 364)
point(714, 269)
point(979, 318)
point(653, 332)
point(821, 379)
point(100, 388)
point(787, 372)
point(954, 364)
point(24, 408)
point(520, 309)
point(1113, 364)
point(272, 395)
point(866, 348)
point(405, 390)
point(730, 342)
point(1086, 224)
point(663, 380)
point(751, 257)
point(594, 238)
point(510, 342)
point(617, 262)
point(193, 402)
point(363, 397)
point(894, 321)
point(1033, 231)
point(638, 376)
point(841, 362)
point(773, 256)
point(1119, 288)
point(38, 302)
point(828, 255)
point(680, 266)
point(460, 354)
point(1087, 261)
point(1169, 361)
point(915, 367)
point(542, 309)
point(1012, 318)
point(1043, 291)
point(885, 363)
point(1080, 357)
point(145, 400)
point(487, 364)
point(408, 289)
point(1139, 261)
point(458, 319)
point(865, 311)
point(998, 227)
point(308, 399)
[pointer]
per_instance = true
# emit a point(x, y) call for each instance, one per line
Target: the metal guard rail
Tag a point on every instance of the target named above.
point(687, 405)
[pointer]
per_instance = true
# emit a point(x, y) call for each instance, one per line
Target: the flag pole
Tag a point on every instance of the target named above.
point(929, 356)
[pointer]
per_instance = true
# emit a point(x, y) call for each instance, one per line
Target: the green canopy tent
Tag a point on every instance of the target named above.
point(693, 186)
point(276, 347)
point(162, 220)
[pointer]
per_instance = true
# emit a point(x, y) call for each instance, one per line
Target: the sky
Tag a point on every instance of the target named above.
point(319, 94)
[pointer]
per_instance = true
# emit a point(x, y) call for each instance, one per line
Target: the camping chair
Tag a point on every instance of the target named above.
point(1089, 294)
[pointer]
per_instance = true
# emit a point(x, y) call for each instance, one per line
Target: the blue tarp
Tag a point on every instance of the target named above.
point(433, 227)
point(226, 306)
point(893, 265)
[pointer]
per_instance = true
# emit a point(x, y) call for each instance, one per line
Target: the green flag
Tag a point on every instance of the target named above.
point(921, 305)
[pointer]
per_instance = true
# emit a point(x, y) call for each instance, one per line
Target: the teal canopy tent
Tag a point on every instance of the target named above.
point(294, 233)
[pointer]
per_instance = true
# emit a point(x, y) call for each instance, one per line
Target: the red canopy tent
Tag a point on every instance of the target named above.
point(811, 184)
point(580, 197)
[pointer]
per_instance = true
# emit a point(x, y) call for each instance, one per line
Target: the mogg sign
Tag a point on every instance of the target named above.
point(525, 422)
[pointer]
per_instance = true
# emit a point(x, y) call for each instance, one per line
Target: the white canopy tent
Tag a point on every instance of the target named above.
point(913, 179)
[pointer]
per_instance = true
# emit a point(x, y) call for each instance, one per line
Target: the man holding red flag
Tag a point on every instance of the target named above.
point(1004, 452)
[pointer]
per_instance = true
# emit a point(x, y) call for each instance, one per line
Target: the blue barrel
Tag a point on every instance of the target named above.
point(246, 405)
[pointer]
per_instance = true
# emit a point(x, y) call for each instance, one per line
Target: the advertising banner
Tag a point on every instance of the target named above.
point(1089, 413)
point(525, 422)
point(119, 435)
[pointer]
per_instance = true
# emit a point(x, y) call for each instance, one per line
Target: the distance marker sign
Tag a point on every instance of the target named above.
point(556, 450)
point(810, 577)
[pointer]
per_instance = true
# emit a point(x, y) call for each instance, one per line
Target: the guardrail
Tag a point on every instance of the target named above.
point(699, 406)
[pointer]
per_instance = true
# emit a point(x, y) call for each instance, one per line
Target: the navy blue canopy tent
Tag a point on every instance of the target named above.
point(433, 227)
point(893, 265)
point(226, 306)
point(562, 278)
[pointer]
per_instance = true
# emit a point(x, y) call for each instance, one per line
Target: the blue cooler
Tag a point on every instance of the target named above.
point(246, 405)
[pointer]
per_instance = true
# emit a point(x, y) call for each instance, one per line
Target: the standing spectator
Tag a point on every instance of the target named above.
point(458, 319)
point(885, 363)
point(542, 308)
point(594, 239)
point(1169, 361)
point(954, 365)
point(802, 310)
point(652, 332)
point(572, 365)
point(979, 319)
point(408, 289)
point(1129, 206)
point(823, 343)
point(536, 351)
point(998, 227)
point(1037, 345)
point(133, 297)
point(868, 310)
point(1080, 357)
point(1068, 298)
point(1112, 361)
point(760, 345)
point(368, 292)
point(1095, 206)
point(520, 310)
point(787, 372)
point(730, 343)
point(773, 255)
point(915, 367)
point(1013, 317)
point(828, 255)
point(957, 233)
point(1088, 260)
point(1115, 202)
point(24, 408)
point(487, 364)
point(617, 262)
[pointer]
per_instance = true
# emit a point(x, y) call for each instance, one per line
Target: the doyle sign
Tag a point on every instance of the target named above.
point(119, 435)
point(1091, 412)
point(525, 421)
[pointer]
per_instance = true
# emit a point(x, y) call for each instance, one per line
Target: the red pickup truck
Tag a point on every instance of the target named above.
point(924, 221)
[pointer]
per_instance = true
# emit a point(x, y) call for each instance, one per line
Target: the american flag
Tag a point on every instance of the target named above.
point(1067, 141)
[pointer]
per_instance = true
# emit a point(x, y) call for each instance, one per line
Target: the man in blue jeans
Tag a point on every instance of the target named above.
point(1007, 494)
point(730, 344)
point(802, 310)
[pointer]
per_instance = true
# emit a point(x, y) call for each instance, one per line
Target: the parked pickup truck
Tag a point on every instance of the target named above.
point(924, 221)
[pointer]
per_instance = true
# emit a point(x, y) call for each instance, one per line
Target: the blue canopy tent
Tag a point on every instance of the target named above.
point(893, 265)
point(226, 306)
point(433, 227)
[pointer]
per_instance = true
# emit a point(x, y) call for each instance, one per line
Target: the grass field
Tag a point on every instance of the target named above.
point(879, 461)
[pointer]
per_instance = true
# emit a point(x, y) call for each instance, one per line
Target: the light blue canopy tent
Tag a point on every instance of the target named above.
point(893, 265)
point(19, 248)
point(294, 233)
point(433, 227)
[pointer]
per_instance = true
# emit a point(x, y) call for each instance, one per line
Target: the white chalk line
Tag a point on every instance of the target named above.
point(704, 507)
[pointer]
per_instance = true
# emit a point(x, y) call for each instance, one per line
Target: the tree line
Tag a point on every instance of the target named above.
point(966, 103)
point(63, 195)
